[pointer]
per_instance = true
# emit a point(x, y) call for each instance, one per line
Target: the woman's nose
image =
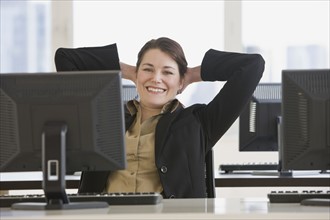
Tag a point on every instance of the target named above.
point(157, 77)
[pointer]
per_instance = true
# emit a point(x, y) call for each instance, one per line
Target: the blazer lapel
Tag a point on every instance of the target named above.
point(162, 129)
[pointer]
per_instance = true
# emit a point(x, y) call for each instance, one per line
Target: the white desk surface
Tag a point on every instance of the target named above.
point(219, 208)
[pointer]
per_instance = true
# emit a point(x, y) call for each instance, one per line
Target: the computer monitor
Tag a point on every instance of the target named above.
point(306, 119)
point(61, 122)
point(129, 92)
point(259, 121)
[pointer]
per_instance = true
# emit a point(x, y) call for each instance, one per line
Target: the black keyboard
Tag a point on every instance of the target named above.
point(297, 197)
point(151, 198)
point(229, 168)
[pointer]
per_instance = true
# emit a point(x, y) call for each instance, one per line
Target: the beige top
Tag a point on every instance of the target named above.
point(141, 173)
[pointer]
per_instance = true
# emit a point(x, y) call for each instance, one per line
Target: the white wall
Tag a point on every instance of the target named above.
point(196, 25)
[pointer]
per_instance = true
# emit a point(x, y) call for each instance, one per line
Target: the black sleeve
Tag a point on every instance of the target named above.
point(87, 58)
point(242, 73)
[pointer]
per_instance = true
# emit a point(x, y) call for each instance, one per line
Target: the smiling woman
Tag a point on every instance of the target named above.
point(167, 143)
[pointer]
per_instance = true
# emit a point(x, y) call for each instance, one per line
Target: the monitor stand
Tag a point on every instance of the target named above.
point(54, 169)
point(281, 172)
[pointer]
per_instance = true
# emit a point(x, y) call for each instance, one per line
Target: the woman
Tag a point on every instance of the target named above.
point(167, 143)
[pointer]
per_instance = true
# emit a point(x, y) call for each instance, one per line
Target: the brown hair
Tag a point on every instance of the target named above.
point(168, 46)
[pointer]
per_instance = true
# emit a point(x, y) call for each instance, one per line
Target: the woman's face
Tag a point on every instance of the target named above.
point(158, 79)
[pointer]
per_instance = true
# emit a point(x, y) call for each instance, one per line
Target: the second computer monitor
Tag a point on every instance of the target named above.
point(306, 119)
point(259, 121)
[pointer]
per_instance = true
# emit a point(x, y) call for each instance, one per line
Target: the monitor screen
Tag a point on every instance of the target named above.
point(306, 119)
point(129, 92)
point(61, 123)
point(258, 123)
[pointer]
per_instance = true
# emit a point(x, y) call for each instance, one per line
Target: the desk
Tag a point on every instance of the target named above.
point(31, 180)
point(12, 181)
point(245, 208)
point(256, 180)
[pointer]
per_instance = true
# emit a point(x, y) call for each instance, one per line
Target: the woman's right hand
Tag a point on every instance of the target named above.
point(192, 75)
point(128, 72)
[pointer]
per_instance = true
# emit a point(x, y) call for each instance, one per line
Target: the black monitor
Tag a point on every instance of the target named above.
point(61, 122)
point(259, 120)
point(306, 119)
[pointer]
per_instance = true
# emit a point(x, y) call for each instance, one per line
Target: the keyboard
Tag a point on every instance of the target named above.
point(297, 197)
point(229, 168)
point(151, 198)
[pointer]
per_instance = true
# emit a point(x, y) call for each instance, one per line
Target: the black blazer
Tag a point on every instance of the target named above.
point(184, 136)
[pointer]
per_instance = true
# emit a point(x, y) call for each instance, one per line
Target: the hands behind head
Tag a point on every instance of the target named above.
point(192, 75)
point(128, 72)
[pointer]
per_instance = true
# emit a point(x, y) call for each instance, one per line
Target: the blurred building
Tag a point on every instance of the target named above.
point(25, 36)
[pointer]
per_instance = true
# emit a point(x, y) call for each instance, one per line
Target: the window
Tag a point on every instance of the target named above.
point(196, 25)
point(25, 36)
point(289, 34)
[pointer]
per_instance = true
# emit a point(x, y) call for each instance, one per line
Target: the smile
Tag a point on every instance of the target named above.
point(155, 90)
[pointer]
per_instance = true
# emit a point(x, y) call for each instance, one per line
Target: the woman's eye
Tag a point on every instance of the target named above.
point(168, 73)
point(147, 69)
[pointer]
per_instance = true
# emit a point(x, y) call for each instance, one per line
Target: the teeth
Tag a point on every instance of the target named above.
point(155, 89)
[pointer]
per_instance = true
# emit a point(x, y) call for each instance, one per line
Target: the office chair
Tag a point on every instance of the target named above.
point(106, 58)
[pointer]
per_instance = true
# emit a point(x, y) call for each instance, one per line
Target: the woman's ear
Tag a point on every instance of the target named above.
point(181, 86)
